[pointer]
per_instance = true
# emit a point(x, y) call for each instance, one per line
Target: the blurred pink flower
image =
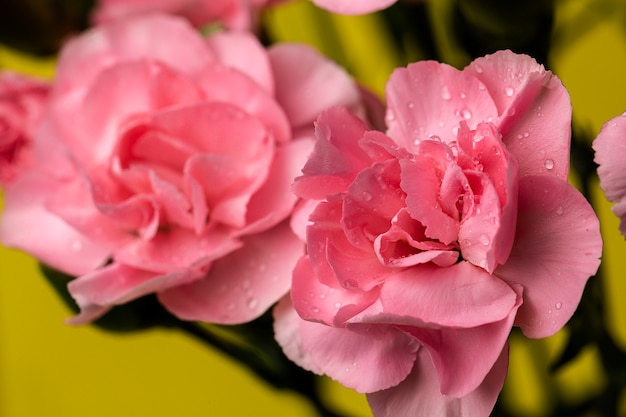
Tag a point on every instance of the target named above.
point(353, 7)
point(233, 14)
point(22, 99)
point(164, 165)
point(610, 147)
point(431, 241)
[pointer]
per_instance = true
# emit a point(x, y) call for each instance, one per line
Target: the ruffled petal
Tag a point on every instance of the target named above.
point(534, 111)
point(240, 286)
point(241, 50)
point(430, 99)
point(610, 148)
point(557, 248)
point(459, 296)
point(364, 357)
point(419, 395)
point(28, 225)
point(337, 157)
point(308, 83)
point(274, 201)
point(170, 40)
point(328, 304)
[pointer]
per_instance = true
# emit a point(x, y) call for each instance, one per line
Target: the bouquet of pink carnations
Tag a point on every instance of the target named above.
point(186, 167)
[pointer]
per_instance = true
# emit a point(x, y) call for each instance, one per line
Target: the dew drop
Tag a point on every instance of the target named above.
point(252, 303)
point(509, 91)
point(350, 284)
point(462, 95)
point(322, 296)
point(445, 93)
point(526, 134)
point(316, 310)
point(410, 104)
point(77, 246)
point(549, 164)
point(337, 305)
point(484, 239)
point(560, 211)
point(558, 305)
point(466, 113)
point(366, 196)
point(478, 68)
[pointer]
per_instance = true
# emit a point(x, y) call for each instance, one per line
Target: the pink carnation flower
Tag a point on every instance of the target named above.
point(164, 165)
point(431, 241)
point(234, 14)
point(610, 147)
point(22, 99)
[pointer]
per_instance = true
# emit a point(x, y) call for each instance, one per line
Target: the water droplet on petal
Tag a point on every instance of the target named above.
point(252, 303)
point(549, 164)
point(322, 296)
point(466, 113)
point(350, 284)
point(77, 246)
point(478, 68)
point(526, 134)
point(337, 305)
point(366, 196)
point(410, 105)
point(445, 93)
point(558, 305)
point(484, 239)
point(559, 210)
point(509, 91)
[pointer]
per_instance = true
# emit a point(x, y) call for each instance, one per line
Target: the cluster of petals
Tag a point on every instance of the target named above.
point(233, 14)
point(163, 164)
point(22, 99)
point(609, 147)
point(427, 244)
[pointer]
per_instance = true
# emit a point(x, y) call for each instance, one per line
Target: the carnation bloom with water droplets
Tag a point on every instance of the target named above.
point(164, 164)
point(430, 242)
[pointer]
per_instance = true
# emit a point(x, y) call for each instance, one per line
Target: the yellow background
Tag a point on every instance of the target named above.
point(50, 369)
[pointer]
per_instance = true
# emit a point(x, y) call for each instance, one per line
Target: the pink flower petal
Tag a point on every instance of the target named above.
point(27, 225)
point(162, 38)
point(418, 395)
point(335, 259)
point(302, 74)
point(348, 355)
point(331, 305)
point(274, 201)
point(176, 249)
point(557, 247)
point(451, 350)
point(459, 296)
point(431, 99)
point(353, 7)
point(337, 157)
point(610, 147)
point(534, 111)
point(116, 284)
point(241, 50)
point(240, 286)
